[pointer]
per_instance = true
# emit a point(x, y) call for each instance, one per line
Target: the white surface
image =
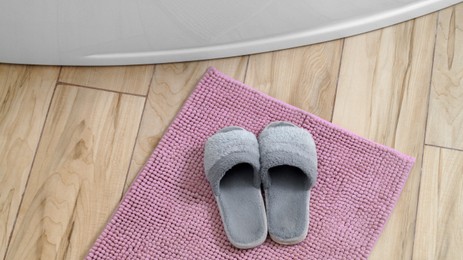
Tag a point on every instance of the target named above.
point(111, 32)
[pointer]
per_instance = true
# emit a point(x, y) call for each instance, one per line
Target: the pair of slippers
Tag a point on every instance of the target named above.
point(283, 159)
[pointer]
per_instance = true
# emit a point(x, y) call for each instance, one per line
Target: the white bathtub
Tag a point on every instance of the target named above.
point(114, 32)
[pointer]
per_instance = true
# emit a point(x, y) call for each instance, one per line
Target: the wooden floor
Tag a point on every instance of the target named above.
point(72, 139)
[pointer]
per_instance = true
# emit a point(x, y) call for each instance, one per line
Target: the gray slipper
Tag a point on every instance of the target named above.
point(231, 162)
point(288, 172)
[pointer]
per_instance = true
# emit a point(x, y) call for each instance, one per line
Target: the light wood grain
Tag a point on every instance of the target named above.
point(305, 77)
point(439, 228)
point(25, 95)
point(172, 83)
point(383, 95)
point(445, 122)
point(78, 174)
point(127, 79)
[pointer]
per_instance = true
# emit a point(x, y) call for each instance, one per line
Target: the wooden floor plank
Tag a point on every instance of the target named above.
point(305, 77)
point(171, 85)
point(25, 95)
point(78, 173)
point(126, 79)
point(439, 228)
point(382, 95)
point(445, 119)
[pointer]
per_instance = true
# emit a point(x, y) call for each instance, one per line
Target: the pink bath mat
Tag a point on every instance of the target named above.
point(170, 213)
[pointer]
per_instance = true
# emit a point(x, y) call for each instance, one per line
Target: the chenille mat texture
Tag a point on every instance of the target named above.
point(169, 212)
